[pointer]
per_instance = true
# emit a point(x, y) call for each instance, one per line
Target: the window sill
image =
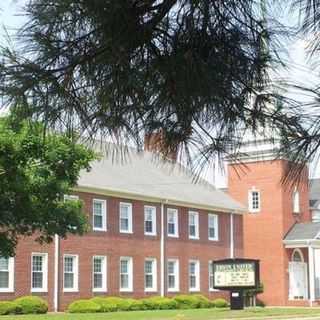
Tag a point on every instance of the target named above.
point(194, 238)
point(173, 235)
point(70, 290)
point(126, 232)
point(126, 290)
point(213, 239)
point(173, 290)
point(194, 290)
point(39, 290)
point(100, 290)
point(150, 234)
point(6, 290)
point(214, 290)
point(150, 290)
point(99, 230)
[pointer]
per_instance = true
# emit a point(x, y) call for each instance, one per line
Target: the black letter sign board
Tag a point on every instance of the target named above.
point(236, 275)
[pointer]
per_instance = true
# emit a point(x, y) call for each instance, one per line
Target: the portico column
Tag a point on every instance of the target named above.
point(311, 274)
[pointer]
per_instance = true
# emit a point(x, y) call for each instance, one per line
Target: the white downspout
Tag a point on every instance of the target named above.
point(231, 237)
point(311, 274)
point(56, 274)
point(162, 252)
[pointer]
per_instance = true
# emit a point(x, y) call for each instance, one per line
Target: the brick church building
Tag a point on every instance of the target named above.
point(156, 232)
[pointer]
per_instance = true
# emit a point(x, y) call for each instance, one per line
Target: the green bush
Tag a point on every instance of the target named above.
point(220, 303)
point(135, 305)
point(160, 303)
point(105, 304)
point(9, 307)
point(84, 306)
point(204, 302)
point(187, 301)
point(32, 304)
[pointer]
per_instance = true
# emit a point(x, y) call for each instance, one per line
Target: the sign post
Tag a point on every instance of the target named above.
point(236, 275)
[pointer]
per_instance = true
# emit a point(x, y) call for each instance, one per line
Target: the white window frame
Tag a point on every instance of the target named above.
point(10, 271)
point(104, 274)
point(130, 274)
point(70, 197)
point(196, 219)
point(75, 258)
point(154, 275)
point(176, 223)
point(154, 221)
point(129, 206)
point(210, 274)
point(176, 275)
point(104, 214)
point(216, 226)
point(44, 271)
point(250, 200)
point(197, 275)
point(296, 201)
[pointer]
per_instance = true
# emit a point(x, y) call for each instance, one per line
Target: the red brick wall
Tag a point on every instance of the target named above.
point(264, 231)
point(138, 246)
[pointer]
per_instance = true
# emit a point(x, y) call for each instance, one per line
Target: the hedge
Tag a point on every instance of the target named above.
point(9, 307)
point(111, 304)
point(32, 305)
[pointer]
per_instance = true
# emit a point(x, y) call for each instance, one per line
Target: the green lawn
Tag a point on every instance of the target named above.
point(197, 314)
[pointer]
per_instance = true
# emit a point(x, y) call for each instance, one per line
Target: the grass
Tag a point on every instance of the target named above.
point(196, 314)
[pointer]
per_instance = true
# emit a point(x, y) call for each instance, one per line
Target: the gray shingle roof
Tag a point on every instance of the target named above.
point(142, 174)
point(314, 189)
point(303, 231)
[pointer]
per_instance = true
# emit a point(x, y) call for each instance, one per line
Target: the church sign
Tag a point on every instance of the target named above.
point(230, 274)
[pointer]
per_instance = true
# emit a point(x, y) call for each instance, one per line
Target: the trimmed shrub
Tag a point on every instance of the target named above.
point(204, 302)
point(120, 303)
point(32, 304)
point(9, 307)
point(187, 301)
point(105, 304)
point(135, 305)
point(220, 303)
point(84, 306)
point(160, 303)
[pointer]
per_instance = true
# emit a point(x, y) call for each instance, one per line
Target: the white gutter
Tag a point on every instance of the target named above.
point(56, 274)
point(231, 237)
point(162, 251)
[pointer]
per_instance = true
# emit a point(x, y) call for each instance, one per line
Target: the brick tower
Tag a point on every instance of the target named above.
point(273, 209)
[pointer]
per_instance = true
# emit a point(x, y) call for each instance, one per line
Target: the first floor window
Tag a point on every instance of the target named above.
point(173, 275)
point(150, 221)
point(172, 223)
point(211, 279)
point(99, 215)
point(99, 273)
point(6, 274)
point(126, 277)
point(213, 227)
point(39, 277)
point(193, 225)
point(70, 274)
point(150, 274)
point(194, 275)
point(125, 217)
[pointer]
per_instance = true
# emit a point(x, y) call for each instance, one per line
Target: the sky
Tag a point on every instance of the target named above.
point(300, 69)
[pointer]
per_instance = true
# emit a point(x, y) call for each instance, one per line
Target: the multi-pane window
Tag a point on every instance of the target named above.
point(126, 277)
point(150, 220)
point(39, 265)
point(296, 202)
point(211, 279)
point(194, 275)
point(173, 275)
point(150, 274)
point(213, 232)
point(125, 217)
point(193, 225)
point(6, 274)
point(172, 223)
point(99, 215)
point(70, 273)
point(99, 274)
point(254, 200)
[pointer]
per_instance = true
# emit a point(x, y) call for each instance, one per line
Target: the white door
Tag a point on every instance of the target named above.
point(297, 280)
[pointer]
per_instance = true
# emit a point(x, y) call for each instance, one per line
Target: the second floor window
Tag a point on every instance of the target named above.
point(172, 223)
point(99, 215)
point(125, 217)
point(254, 201)
point(213, 232)
point(39, 276)
point(296, 201)
point(150, 221)
point(193, 225)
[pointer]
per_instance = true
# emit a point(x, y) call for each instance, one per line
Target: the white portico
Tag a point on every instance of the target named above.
point(304, 261)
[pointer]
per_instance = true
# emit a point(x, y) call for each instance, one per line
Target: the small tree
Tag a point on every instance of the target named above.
point(35, 173)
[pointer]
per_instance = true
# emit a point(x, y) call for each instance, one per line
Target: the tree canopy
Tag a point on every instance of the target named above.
point(35, 174)
point(198, 70)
